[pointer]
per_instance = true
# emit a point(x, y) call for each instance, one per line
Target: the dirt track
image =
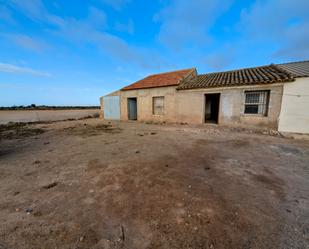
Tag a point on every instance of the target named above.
point(82, 184)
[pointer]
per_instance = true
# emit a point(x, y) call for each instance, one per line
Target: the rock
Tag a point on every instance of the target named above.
point(51, 185)
point(29, 210)
point(137, 152)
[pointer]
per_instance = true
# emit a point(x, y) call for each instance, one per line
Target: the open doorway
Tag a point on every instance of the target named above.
point(132, 109)
point(212, 102)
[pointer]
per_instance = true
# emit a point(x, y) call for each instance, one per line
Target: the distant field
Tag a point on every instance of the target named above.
point(44, 115)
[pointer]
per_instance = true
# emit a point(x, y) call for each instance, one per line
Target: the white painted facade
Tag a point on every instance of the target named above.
point(294, 114)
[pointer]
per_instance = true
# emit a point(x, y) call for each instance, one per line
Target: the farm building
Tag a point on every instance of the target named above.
point(274, 96)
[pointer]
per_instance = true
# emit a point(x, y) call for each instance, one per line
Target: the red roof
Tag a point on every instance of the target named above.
point(160, 80)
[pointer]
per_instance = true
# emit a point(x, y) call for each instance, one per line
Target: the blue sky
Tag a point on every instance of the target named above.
point(65, 52)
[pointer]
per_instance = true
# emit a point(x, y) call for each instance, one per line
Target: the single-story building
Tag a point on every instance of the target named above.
point(274, 96)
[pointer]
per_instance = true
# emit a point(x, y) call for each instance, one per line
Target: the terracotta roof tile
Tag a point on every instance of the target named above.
point(160, 80)
point(247, 76)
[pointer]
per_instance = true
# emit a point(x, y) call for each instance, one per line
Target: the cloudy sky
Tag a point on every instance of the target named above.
point(61, 52)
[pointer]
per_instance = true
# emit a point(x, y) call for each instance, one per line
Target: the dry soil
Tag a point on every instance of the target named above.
point(98, 185)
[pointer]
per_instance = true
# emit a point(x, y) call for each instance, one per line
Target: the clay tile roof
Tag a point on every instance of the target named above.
point(247, 76)
point(160, 80)
point(297, 69)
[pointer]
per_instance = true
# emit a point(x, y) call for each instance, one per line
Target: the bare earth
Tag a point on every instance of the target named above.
point(83, 184)
point(44, 115)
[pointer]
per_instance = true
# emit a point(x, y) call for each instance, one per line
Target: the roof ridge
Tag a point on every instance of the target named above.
point(244, 68)
point(268, 74)
point(293, 62)
point(171, 78)
point(234, 70)
point(277, 66)
point(175, 71)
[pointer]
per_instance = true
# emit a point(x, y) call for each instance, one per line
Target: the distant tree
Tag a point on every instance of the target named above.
point(33, 106)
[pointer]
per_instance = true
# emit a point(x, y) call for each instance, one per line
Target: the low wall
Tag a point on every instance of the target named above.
point(44, 115)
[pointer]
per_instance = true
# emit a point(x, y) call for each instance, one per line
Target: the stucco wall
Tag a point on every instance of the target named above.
point(189, 105)
point(294, 116)
point(144, 103)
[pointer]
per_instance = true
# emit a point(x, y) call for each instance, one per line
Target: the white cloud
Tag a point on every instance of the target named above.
point(187, 22)
point(91, 29)
point(125, 27)
point(27, 42)
point(220, 59)
point(35, 10)
point(282, 22)
point(97, 18)
point(9, 68)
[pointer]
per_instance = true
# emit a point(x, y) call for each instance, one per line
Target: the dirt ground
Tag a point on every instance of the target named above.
point(90, 184)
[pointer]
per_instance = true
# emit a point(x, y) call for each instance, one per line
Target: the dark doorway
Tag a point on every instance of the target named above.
point(212, 102)
point(132, 108)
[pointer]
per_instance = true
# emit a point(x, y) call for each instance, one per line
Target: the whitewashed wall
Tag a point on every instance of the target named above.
point(294, 115)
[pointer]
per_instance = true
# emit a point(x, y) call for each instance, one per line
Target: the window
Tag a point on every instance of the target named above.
point(158, 105)
point(256, 102)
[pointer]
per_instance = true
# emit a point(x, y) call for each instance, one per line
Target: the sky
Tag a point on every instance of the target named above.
point(71, 52)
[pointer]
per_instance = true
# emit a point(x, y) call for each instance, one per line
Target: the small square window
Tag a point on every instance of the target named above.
point(158, 105)
point(256, 102)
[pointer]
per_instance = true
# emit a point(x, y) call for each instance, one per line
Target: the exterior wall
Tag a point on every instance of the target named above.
point(144, 103)
point(116, 93)
point(294, 116)
point(101, 107)
point(112, 107)
point(189, 105)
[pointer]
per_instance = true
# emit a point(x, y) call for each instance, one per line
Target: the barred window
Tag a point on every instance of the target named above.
point(256, 102)
point(158, 105)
